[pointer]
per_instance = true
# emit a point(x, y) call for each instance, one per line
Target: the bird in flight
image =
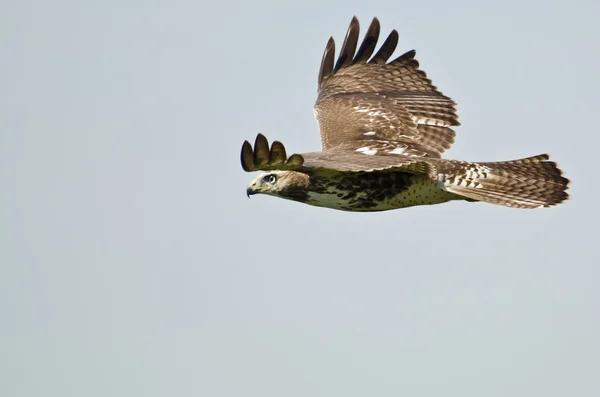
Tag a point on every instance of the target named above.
point(384, 128)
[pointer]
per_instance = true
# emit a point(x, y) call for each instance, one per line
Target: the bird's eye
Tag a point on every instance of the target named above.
point(271, 179)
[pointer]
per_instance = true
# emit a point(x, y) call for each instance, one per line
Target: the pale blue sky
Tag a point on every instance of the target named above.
point(132, 263)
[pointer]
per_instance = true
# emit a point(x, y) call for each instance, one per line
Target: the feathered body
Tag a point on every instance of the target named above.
point(384, 128)
point(380, 191)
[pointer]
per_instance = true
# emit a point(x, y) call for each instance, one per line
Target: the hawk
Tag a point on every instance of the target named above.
point(384, 128)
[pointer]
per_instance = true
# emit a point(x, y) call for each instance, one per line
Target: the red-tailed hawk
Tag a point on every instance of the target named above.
point(384, 128)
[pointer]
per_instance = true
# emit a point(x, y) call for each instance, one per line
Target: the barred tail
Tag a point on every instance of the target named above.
point(533, 182)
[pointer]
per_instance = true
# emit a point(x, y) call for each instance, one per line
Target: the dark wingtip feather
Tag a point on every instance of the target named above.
point(326, 69)
point(369, 43)
point(409, 57)
point(387, 49)
point(261, 151)
point(295, 160)
point(277, 155)
point(349, 46)
point(262, 158)
point(247, 157)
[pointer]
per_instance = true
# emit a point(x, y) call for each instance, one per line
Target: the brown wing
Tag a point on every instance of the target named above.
point(364, 102)
point(261, 157)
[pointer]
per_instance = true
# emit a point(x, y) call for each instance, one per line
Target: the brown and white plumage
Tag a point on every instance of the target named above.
point(395, 100)
point(384, 128)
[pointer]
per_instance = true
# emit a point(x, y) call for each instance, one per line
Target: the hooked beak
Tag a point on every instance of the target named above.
point(254, 188)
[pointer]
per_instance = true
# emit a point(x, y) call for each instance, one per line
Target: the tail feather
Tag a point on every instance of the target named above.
point(533, 182)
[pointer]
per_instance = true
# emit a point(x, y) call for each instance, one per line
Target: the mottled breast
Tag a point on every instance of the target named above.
point(377, 191)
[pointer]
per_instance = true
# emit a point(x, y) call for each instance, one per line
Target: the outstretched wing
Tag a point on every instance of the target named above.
point(373, 107)
point(263, 158)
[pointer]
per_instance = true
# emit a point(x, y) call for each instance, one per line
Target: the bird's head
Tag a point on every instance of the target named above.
point(286, 184)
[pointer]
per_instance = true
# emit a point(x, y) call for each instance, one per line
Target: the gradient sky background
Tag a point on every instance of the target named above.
point(132, 263)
